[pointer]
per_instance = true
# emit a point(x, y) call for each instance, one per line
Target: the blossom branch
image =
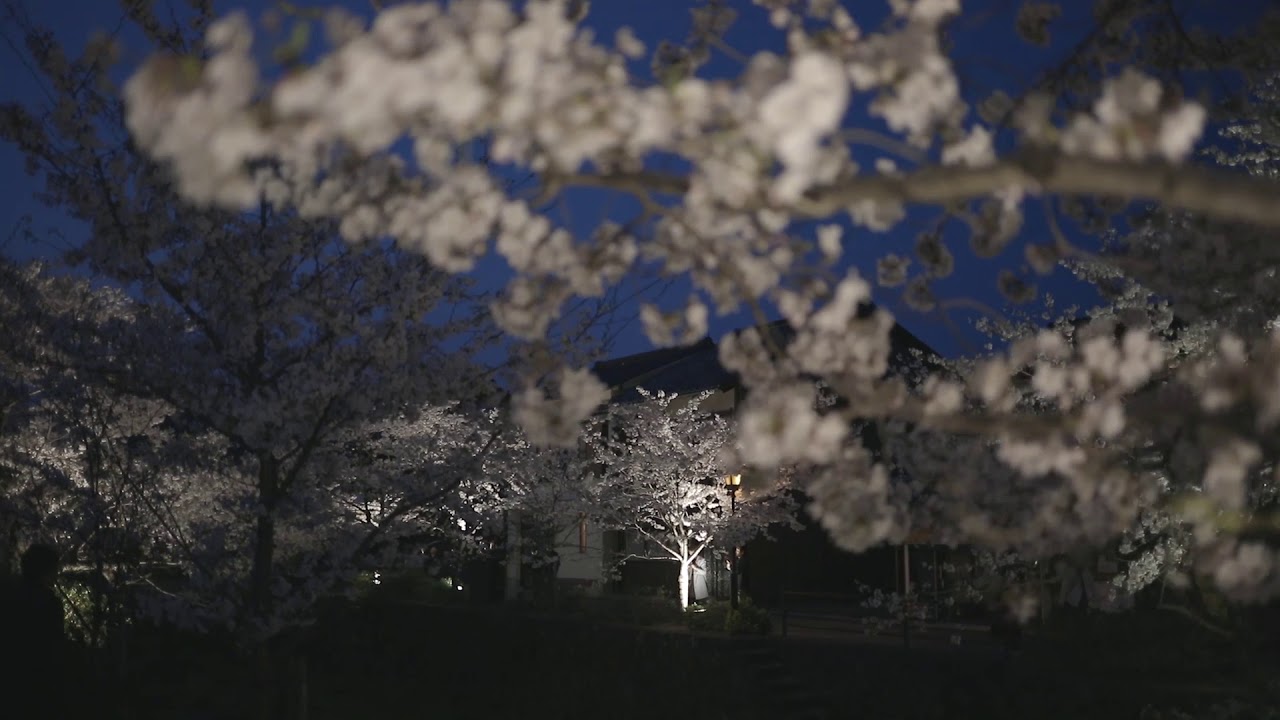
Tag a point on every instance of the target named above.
point(1215, 193)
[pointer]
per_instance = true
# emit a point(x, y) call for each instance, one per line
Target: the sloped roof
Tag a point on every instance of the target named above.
point(906, 351)
point(682, 370)
point(697, 367)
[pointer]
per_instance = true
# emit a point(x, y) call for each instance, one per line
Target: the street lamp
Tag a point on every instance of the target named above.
point(731, 483)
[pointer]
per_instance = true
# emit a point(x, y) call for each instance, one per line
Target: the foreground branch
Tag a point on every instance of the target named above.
point(1216, 193)
point(1213, 192)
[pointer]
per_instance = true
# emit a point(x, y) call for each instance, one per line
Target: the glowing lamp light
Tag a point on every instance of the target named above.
point(733, 481)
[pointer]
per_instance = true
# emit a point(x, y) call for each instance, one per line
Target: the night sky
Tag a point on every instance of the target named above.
point(987, 52)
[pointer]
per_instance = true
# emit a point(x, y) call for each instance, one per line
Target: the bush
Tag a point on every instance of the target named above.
point(748, 619)
point(415, 586)
point(719, 617)
point(642, 610)
point(653, 610)
point(709, 617)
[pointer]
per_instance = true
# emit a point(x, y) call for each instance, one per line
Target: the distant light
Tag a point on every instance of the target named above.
point(459, 587)
point(733, 480)
point(377, 578)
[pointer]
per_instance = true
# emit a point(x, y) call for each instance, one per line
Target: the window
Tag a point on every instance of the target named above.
point(582, 534)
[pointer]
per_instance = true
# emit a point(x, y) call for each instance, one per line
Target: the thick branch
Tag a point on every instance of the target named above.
point(696, 553)
point(658, 541)
point(636, 556)
point(1217, 193)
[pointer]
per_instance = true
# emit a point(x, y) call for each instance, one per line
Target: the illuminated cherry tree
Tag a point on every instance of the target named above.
point(662, 467)
point(267, 339)
point(120, 478)
point(548, 491)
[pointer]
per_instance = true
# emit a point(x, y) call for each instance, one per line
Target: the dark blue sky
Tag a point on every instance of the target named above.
point(987, 52)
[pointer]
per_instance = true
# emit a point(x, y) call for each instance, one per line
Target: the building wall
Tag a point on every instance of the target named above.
point(582, 549)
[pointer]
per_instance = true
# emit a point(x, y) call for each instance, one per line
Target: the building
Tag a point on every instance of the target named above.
point(804, 561)
point(587, 553)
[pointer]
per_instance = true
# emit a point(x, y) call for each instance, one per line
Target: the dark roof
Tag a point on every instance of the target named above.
point(906, 351)
point(697, 367)
point(681, 370)
point(619, 370)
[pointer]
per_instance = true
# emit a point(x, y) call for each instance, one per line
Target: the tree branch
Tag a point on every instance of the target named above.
point(1217, 193)
point(1202, 622)
point(636, 556)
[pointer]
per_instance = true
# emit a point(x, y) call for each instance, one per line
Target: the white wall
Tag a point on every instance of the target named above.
point(577, 564)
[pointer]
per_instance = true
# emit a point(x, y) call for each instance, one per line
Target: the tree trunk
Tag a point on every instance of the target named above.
point(260, 605)
point(264, 681)
point(514, 567)
point(685, 567)
point(93, 633)
point(9, 549)
point(264, 539)
point(302, 710)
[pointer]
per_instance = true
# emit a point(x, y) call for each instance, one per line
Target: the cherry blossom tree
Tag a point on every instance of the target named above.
point(663, 462)
point(1172, 276)
point(766, 155)
point(315, 402)
point(263, 332)
point(77, 455)
point(549, 490)
point(91, 462)
point(16, 396)
point(1190, 304)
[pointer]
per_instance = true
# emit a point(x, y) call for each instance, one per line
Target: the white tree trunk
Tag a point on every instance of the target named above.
point(684, 585)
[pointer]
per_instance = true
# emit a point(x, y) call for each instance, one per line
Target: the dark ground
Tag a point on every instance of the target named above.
point(414, 661)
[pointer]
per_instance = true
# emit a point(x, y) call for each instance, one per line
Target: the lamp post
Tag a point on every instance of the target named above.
point(731, 483)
